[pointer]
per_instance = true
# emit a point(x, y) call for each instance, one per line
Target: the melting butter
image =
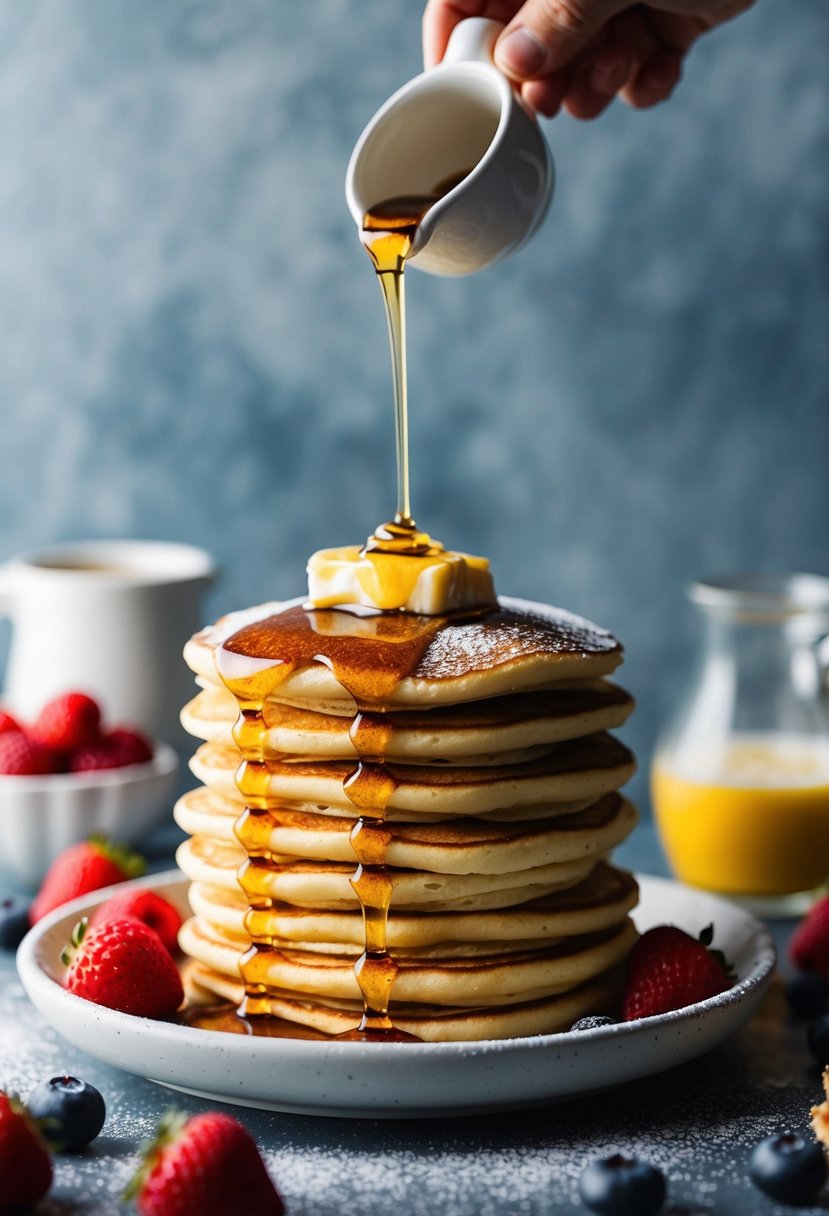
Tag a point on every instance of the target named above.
point(421, 577)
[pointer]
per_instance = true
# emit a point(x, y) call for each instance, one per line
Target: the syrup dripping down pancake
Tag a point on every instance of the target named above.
point(580, 769)
point(432, 1024)
point(600, 900)
point(499, 800)
point(470, 846)
point(497, 979)
point(521, 646)
point(502, 730)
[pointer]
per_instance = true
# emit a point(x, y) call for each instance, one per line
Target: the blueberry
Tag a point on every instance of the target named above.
point(807, 994)
point(591, 1023)
point(817, 1036)
point(788, 1168)
point(72, 1112)
point(14, 921)
point(622, 1186)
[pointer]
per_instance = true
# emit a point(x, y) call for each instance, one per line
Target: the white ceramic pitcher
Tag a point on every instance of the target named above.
point(461, 115)
point(108, 618)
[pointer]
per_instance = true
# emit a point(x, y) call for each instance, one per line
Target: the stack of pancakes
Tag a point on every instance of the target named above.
point(506, 918)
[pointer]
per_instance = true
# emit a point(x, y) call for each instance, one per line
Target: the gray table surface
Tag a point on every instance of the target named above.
point(697, 1122)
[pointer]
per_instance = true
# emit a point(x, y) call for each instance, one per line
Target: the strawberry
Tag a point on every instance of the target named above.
point(21, 756)
point(25, 1164)
point(669, 969)
point(82, 868)
point(809, 946)
point(145, 906)
point(207, 1164)
point(123, 965)
point(129, 745)
point(68, 722)
point(7, 722)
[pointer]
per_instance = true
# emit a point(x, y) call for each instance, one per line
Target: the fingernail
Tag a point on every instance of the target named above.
point(520, 54)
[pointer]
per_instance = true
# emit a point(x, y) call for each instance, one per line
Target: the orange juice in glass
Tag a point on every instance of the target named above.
point(740, 782)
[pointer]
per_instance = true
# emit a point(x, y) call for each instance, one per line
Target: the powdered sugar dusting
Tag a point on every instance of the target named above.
point(698, 1123)
point(518, 631)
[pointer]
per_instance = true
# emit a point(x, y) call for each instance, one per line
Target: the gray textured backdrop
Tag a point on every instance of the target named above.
point(192, 344)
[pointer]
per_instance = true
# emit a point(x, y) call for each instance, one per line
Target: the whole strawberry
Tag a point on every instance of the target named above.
point(123, 965)
point(145, 906)
point(809, 946)
point(21, 756)
point(68, 722)
point(82, 868)
point(25, 1164)
point(207, 1165)
point(668, 969)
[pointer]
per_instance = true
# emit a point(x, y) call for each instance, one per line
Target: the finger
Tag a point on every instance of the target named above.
point(597, 81)
point(673, 30)
point(545, 96)
point(654, 81)
point(609, 69)
point(441, 16)
point(546, 35)
point(632, 30)
point(439, 19)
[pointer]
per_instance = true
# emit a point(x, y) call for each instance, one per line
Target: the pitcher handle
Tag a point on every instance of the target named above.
point(472, 40)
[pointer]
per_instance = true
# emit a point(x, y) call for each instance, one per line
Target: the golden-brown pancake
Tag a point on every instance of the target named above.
point(520, 646)
point(431, 1023)
point(500, 730)
point(487, 737)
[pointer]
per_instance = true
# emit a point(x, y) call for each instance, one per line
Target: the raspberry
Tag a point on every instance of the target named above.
point(809, 946)
point(116, 749)
point(23, 757)
point(68, 722)
point(7, 722)
point(130, 746)
point(92, 759)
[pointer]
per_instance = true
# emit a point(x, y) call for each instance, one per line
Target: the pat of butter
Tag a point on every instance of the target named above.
point(430, 583)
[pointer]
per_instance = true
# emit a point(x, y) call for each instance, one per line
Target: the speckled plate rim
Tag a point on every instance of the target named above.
point(407, 1080)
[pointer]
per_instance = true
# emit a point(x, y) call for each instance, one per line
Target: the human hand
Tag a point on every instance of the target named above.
point(581, 53)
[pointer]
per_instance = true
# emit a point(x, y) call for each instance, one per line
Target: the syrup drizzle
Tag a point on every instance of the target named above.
point(369, 657)
point(388, 234)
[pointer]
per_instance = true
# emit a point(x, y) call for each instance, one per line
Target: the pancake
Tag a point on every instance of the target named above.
point(578, 769)
point(477, 784)
point(500, 730)
point(600, 900)
point(451, 847)
point(323, 884)
point(496, 979)
point(521, 645)
point(432, 1024)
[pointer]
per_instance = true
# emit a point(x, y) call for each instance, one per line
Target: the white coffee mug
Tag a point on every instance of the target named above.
point(109, 618)
point(461, 115)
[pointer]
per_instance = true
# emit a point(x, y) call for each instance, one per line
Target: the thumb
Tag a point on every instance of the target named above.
point(545, 35)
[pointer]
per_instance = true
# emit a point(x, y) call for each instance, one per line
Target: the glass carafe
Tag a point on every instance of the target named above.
point(740, 779)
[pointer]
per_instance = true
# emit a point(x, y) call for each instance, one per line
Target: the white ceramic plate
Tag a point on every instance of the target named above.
point(407, 1080)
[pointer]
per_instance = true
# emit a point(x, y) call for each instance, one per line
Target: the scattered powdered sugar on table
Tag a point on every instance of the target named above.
point(698, 1123)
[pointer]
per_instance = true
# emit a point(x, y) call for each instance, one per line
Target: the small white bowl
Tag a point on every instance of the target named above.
point(42, 816)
